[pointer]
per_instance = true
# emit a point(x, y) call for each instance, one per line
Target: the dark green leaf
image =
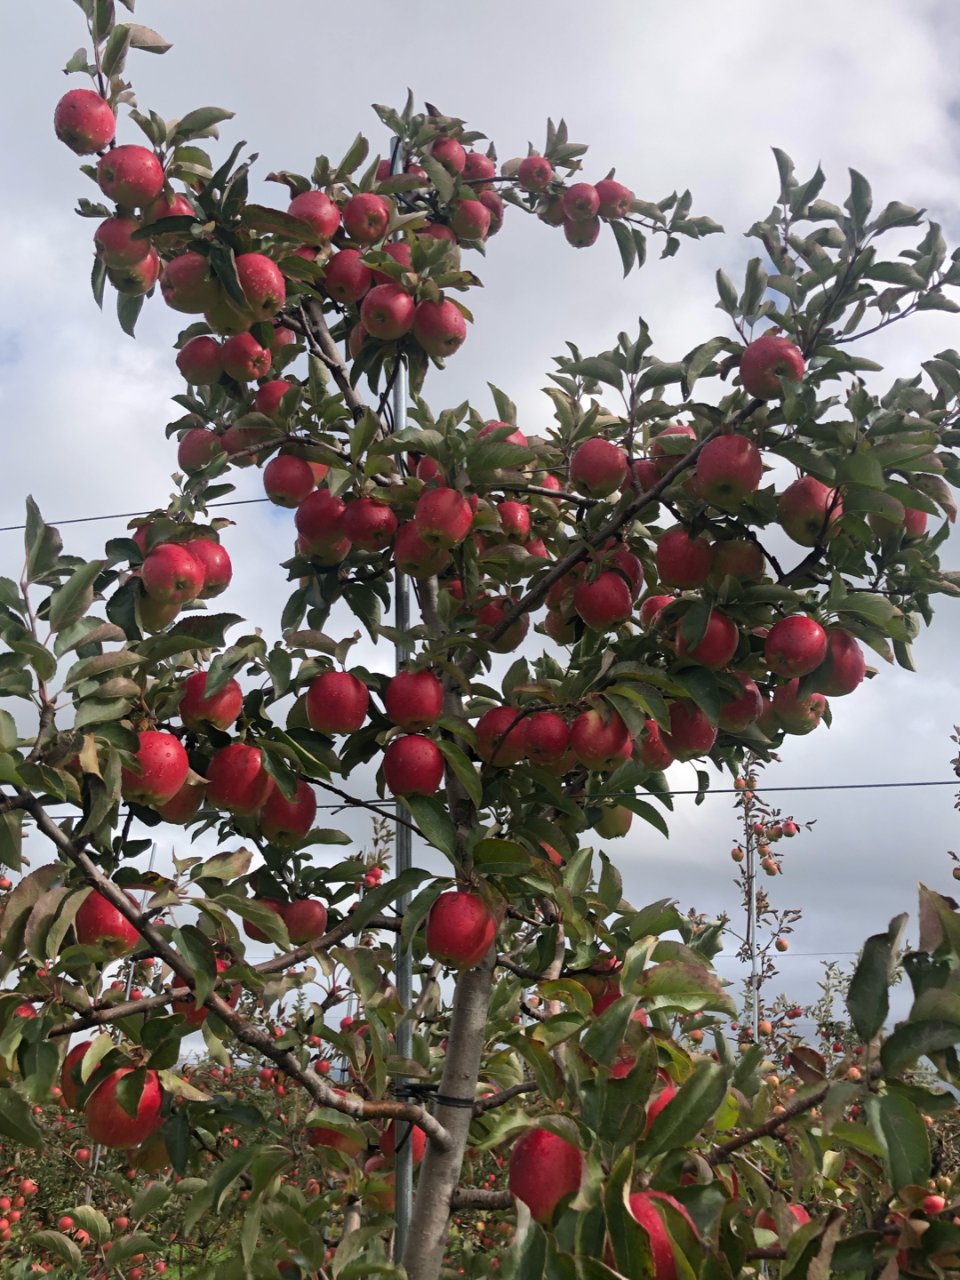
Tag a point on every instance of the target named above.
point(70, 602)
point(868, 996)
point(42, 542)
point(696, 1103)
point(900, 1127)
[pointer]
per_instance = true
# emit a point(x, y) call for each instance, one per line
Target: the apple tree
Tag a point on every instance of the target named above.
point(686, 565)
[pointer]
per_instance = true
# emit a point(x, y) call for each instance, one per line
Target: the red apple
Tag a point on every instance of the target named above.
point(491, 615)
point(188, 283)
point(179, 809)
point(546, 738)
point(600, 740)
point(642, 1208)
point(478, 167)
point(744, 710)
point(132, 176)
point(161, 769)
point(683, 561)
point(766, 1221)
point(285, 822)
point(691, 733)
point(653, 752)
point(305, 918)
point(413, 766)
point(581, 234)
point(196, 1014)
point(544, 1170)
point(201, 361)
point(318, 522)
point(318, 211)
point(728, 470)
point(795, 646)
point(460, 929)
point(220, 709)
point(843, 667)
point(337, 702)
point(346, 277)
point(70, 1082)
point(84, 121)
point(262, 283)
point(416, 557)
point(109, 1124)
point(115, 245)
point(501, 736)
point(470, 220)
point(736, 558)
point(366, 217)
point(511, 436)
point(443, 517)
point(598, 468)
point(288, 480)
point(450, 154)
point(168, 206)
point(387, 312)
point(604, 603)
point(615, 199)
point(765, 361)
point(237, 780)
point(439, 327)
point(269, 397)
point(369, 524)
point(806, 510)
point(664, 458)
point(795, 714)
point(580, 202)
point(244, 359)
point(215, 562)
point(716, 646)
point(137, 279)
point(535, 173)
point(649, 613)
point(413, 1135)
point(99, 923)
point(414, 700)
point(171, 574)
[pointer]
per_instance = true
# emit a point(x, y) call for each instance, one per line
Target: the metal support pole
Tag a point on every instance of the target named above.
point(404, 858)
point(752, 936)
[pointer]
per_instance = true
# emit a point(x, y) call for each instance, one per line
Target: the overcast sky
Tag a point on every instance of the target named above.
point(687, 94)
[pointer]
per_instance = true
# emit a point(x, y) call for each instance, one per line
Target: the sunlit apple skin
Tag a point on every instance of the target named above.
point(269, 397)
point(795, 646)
point(544, 1169)
point(171, 574)
point(163, 769)
point(765, 361)
point(318, 211)
point(84, 121)
point(220, 709)
point(111, 1126)
point(130, 175)
point(460, 929)
point(99, 923)
point(413, 766)
point(844, 666)
point(286, 822)
point(604, 603)
point(337, 702)
point(305, 918)
point(414, 700)
point(237, 780)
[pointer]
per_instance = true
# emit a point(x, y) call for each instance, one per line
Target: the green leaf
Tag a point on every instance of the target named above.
point(626, 244)
point(913, 1040)
point(42, 542)
point(70, 602)
point(115, 54)
point(605, 1034)
point(868, 997)
point(435, 823)
point(146, 38)
point(195, 948)
point(11, 840)
point(630, 1243)
point(728, 294)
point(899, 1126)
point(679, 985)
point(224, 866)
point(695, 1104)
point(129, 307)
point(17, 1122)
point(859, 202)
point(59, 1245)
point(465, 772)
point(201, 123)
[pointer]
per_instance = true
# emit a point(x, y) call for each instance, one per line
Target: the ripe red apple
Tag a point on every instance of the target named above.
point(220, 709)
point(137, 279)
point(414, 700)
point(728, 470)
point(366, 217)
point(716, 646)
point(544, 1170)
point(844, 666)
point(401, 252)
point(514, 520)
point(346, 277)
point(305, 918)
point(765, 361)
point(535, 173)
point(413, 766)
point(161, 769)
point(115, 245)
point(70, 1082)
point(460, 929)
point(318, 211)
point(795, 714)
point(806, 509)
point(387, 312)
point(604, 603)
point(449, 153)
point(501, 736)
point(109, 1124)
point(691, 733)
point(168, 206)
point(652, 750)
point(581, 234)
point(84, 121)
point(215, 562)
point(598, 468)
point(477, 167)
point(795, 646)
point(470, 220)
point(251, 930)
point(615, 199)
point(201, 361)
point(511, 436)
point(439, 327)
point(642, 1208)
point(188, 283)
point(237, 780)
point(413, 1135)
point(742, 711)
point(649, 612)
point(285, 822)
point(766, 1221)
point(491, 615)
point(442, 516)
point(185, 804)
point(600, 739)
point(132, 176)
point(318, 522)
point(546, 738)
point(244, 359)
point(262, 283)
point(580, 202)
point(337, 702)
point(99, 923)
point(736, 558)
point(683, 561)
point(369, 524)
point(288, 480)
point(662, 454)
point(416, 557)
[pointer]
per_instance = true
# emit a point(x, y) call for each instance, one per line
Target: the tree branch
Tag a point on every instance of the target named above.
point(320, 338)
point(476, 1198)
point(718, 1154)
point(503, 1095)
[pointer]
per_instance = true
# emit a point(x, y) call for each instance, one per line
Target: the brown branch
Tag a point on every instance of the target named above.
point(806, 1102)
point(321, 340)
point(351, 802)
point(475, 1198)
point(503, 1095)
point(323, 1094)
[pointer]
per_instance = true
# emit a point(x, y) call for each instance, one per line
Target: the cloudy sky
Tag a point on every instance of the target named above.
point(688, 94)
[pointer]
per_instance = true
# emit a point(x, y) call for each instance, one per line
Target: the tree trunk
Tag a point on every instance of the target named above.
point(440, 1172)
